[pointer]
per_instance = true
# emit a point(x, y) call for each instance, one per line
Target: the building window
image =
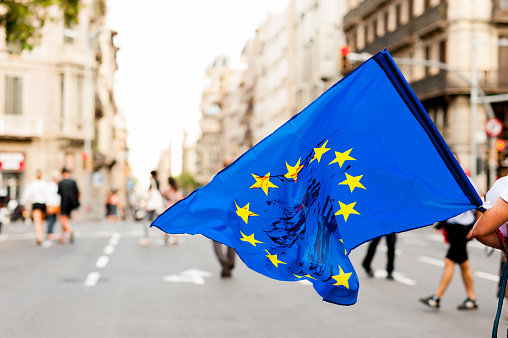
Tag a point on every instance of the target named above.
point(397, 16)
point(427, 57)
point(503, 4)
point(13, 95)
point(386, 18)
point(442, 51)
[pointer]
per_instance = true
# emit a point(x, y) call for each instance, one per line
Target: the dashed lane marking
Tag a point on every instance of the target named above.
point(92, 279)
point(102, 262)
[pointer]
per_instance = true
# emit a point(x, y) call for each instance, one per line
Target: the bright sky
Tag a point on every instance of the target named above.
point(165, 46)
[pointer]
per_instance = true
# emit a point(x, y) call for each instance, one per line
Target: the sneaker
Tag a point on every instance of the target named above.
point(468, 305)
point(431, 301)
point(389, 276)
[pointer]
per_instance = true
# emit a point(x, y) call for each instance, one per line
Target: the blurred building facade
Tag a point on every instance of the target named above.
point(442, 30)
point(164, 166)
point(292, 59)
point(208, 161)
point(59, 110)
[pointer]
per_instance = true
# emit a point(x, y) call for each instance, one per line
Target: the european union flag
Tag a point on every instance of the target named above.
point(362, 161)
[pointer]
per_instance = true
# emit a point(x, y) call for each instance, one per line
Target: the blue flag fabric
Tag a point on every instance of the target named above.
point(361, 161)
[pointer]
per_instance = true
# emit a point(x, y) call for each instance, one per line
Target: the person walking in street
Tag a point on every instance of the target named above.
point(69, 194)
point(225, 254)
point(52, 205)
point(154, 204)
point(36, 195)
point(390, 255)
point(458, 232)
point(171, 195)
point(112, 206)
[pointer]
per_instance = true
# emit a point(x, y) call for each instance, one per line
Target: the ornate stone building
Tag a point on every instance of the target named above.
point(57, 109)
point(443, 31)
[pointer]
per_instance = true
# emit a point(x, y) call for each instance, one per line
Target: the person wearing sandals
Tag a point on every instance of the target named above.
point(69, 194)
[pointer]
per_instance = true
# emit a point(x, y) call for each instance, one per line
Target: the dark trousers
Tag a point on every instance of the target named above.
point(226, 257)
point(51, 219)
point(390, 243)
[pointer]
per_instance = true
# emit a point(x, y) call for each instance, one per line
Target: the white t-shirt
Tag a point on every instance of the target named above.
point(35, 192)
point(53, 199)
point(467, 217)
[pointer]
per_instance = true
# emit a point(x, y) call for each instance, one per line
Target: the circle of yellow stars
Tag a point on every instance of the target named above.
point(346, 210)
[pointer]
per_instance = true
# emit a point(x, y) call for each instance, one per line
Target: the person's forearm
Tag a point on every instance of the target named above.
point(489, 240)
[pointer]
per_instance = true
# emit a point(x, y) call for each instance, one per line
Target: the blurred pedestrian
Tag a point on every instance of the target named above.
point(458, 232)
point(390, 255)
point(69, 194)
point(225, 254)
point(52, 205)
point(154, 204)
point(36, 195)
point(112, 206)
point(171, 195)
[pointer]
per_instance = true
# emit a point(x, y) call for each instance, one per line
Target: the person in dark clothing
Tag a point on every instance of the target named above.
point(390, 243)
point(69, 194)
point(227, 258)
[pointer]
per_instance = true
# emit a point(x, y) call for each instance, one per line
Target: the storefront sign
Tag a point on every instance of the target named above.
point(12, 161)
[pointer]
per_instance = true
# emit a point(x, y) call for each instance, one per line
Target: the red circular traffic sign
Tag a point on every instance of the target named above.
point(493, 127)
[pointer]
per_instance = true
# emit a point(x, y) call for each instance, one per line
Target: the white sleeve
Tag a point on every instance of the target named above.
point(504, 194)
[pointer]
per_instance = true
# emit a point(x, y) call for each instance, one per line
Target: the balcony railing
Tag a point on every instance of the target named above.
point(430, 21)
point(361, 11)
point(391, 41)
point(446, 83)
point(21, 126)
point(499, 14)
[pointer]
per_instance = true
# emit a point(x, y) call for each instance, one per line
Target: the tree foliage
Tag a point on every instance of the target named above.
point(23, 19)
point(187, 182)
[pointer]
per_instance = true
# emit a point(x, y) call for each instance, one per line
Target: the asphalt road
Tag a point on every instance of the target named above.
point(107, 284)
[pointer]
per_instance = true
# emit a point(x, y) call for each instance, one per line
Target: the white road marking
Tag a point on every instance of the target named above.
point(384, 248)
point(102, 262)
point(92, 279)
point(431, 261)
point(194, 276)
point(487, 276)
point(415, 241)
point(114, 239)
point(109, 249)
point(397, 276)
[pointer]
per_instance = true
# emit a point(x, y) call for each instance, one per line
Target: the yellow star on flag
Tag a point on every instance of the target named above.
point(318, 152)
point(293, 171)
point(250, 239)
point(346, 210)
point(340, 158)
point(342, 278)
point(353, 182)
point(345, 251)
point(244, 212)
point(263, 182)
point(274, 260)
